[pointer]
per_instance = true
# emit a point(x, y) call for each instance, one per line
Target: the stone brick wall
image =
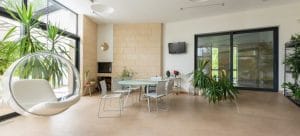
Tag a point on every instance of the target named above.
point(138, 47)
point(88, 61)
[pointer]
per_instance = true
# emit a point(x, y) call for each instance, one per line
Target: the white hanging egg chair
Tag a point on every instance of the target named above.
point(41, 84)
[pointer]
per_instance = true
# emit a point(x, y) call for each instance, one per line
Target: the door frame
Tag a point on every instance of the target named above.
point(275, 30)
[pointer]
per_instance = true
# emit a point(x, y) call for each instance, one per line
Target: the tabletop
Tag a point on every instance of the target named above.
point(138, 82)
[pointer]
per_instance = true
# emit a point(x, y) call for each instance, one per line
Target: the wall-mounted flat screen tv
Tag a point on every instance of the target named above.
point(104, 67)
point(177, 48)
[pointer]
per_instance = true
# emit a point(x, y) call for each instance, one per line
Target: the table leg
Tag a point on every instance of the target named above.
point(90, 91)
point(141, 89)
point(125, 101)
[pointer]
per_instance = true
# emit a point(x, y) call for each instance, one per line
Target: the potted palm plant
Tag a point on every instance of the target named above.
point(212, 89)
point(201, 79)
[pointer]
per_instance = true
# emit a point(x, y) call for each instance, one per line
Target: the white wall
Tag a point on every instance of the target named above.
point(105, 34)
point(286, 17)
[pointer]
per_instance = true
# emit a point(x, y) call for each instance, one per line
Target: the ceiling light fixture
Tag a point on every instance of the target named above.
point(200, 6)
point(198, 0)
point(102, 9)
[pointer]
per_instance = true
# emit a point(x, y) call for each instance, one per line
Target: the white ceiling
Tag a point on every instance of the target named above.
point(137, 11)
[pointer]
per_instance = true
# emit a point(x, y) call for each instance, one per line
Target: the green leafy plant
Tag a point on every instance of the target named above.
point(295, 88)
point(54, 37)
point(127, 73)
point(229, 91)
point(7, 53)
point(25, 15)
point(295, 37)
point(293, 62)
point(214, 89)
point(201, 79)
point(213, 92)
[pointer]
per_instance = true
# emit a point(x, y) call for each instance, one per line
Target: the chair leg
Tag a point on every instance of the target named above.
point(168, 101)
point(149, 104)
point(104, 103)
point(165, 104)
point(125, 101)
point(120, 105)
point(90, 91)
point(99, 108)
point(156, 104)
point(140, 95)
point(109, 102)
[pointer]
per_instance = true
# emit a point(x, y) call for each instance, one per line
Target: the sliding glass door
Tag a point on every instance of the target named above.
point(249, 57)
point(254, 59)
point(216, 49)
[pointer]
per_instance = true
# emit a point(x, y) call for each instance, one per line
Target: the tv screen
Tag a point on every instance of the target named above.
point(104, 67)
point(176, 48)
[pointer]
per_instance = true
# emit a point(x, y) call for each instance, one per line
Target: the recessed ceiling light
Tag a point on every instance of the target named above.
point(102, 9)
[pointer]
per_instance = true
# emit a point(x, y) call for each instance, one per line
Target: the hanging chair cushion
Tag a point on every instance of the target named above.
point(36, 96)
point(52, 108)
point(32, 92)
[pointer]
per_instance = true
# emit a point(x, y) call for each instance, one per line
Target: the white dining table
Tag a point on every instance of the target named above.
point(139, 82)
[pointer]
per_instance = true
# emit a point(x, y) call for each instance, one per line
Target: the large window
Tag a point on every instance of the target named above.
point(250, 57)
point(55, 13)
point(5, 25)
point(216, 49)
point(50, 12)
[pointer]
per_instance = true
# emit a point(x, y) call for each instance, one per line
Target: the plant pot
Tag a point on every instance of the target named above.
point(200, 92)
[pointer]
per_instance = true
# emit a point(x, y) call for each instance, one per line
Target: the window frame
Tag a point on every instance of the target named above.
point(275, 31)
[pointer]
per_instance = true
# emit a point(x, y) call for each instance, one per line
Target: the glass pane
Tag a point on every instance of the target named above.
point(56, 14)
point(5, 26)
point(62, 18)
point(65, 47)
point(64, 44)
point(69, 45)
point(216, 49)
point(253, 59)
point(39, 5)
point(10, 4)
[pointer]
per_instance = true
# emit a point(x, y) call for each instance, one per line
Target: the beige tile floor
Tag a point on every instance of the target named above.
point(5, 109)
point(257, 114)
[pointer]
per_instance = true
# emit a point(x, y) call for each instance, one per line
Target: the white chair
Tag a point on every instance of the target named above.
point(151, 88)
point(34, 96)
point(104, 96)
point(187, 83)
point(169, 89)
point(170, 86)
point(37, 97)
point(160, 92)
point(124, 90)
